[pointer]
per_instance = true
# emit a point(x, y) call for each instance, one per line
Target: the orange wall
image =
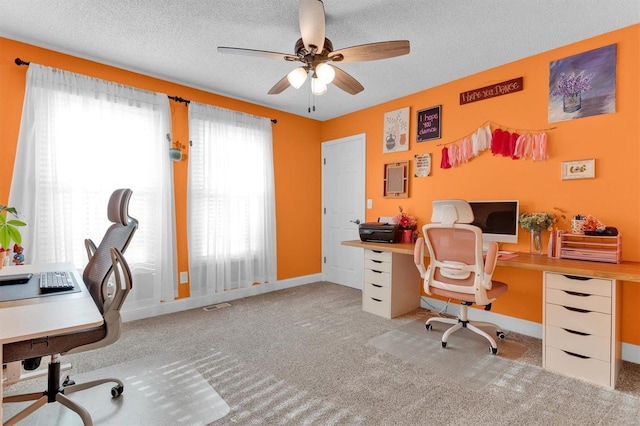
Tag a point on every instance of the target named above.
point(612, 139)
point(296, 151)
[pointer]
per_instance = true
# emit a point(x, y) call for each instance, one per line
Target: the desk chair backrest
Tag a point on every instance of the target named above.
point(455, 253)
point(100, 267)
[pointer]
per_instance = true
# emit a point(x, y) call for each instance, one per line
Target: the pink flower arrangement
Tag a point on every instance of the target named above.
point(405, 221)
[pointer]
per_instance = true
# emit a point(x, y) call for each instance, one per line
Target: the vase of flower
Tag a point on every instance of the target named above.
point(572, 102)
point(571, 86)
point(535, 223)
point(535, 246)
point(407, 224)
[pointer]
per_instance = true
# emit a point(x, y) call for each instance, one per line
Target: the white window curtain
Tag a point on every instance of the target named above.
point(231, 200)
point(80, 139)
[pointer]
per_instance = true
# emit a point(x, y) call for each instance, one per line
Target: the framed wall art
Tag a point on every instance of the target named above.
point(583, 85)
point(396, 131)
point(429, 124)
point(579, 169)
point(396, 180)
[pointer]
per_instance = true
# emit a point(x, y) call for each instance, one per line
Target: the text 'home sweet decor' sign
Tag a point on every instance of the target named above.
point(492, 91)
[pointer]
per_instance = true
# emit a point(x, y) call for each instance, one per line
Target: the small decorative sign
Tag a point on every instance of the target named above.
point(422, 166)
point(429, 123)
point(492, 91)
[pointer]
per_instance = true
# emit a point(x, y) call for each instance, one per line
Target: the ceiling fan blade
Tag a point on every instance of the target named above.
point(347, 83)
point(280, 86)
point(371, 51)
point(258, 53)
point(312, 24)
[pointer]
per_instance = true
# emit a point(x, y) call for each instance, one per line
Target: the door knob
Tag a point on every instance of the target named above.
point(357, 221)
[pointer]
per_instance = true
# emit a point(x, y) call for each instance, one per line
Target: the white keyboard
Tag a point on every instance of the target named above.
point(56, 281)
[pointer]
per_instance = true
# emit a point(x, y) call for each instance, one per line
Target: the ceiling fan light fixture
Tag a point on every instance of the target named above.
point(325, 73)
point(297, 77)
point(318, 87)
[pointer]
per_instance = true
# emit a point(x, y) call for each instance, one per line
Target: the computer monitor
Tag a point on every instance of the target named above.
point(498, 220)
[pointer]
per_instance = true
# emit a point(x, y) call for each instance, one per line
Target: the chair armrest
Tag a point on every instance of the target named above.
point(490, 263)
point(418, 256)
point(90, 247)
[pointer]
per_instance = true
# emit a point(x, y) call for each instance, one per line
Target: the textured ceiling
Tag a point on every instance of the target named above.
point(177, 40)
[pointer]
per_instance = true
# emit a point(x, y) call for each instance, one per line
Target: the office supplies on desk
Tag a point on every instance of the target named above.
point(15, 279)
point(380, 232)
point(56, 281)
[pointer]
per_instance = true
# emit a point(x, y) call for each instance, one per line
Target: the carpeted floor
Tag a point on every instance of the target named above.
point(310, 355)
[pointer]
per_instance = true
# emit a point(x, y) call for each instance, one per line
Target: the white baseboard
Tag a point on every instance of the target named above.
point(212, 299)
point(630, 352)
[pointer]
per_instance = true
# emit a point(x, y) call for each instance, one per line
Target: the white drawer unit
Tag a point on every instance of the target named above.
point(581, 334)
point(391, 284)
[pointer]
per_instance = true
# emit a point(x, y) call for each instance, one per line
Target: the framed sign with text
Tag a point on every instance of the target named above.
point(429, 124)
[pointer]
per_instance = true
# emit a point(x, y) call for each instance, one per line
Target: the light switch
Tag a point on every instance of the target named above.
point(369, 203)
point(184, 277)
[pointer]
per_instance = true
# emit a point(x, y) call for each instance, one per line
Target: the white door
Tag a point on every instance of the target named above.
point(343, 204)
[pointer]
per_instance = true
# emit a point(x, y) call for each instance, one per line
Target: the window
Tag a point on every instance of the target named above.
point(80, 139)
point(231, 201)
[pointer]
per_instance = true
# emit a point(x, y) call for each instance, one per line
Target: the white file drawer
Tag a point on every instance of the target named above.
point(588, 345)
point(384, 256)
point(377, 265)
point(584, 301)
point(391, 284)
point(596, 286)
point(377, 292)
point(376, 306)
point(582, 327)
point(590, 369)
point(586, 322)
point(376, 277)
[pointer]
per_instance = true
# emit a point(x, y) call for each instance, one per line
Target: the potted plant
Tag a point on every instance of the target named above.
point(9, 230)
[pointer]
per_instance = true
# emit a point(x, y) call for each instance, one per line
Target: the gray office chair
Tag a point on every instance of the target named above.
point(105, 262)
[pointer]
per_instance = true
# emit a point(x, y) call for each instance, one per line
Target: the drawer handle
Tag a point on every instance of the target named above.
point(376, 285)
point(582, 311)
point(576, 355)
point(377, 251)
point(377, 272)
point(575, 293)
point(377, 300)
point(577, 277)
point(576, 332)
point(376, 261)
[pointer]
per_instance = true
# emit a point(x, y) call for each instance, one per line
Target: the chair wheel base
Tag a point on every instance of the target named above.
point(428, 327)
point(494, 351)
point(444, 344)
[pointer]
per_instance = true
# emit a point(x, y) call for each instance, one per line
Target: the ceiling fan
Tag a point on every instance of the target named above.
point(317, 56)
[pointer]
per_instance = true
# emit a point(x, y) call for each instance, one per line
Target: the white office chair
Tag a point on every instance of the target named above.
point(457, 269)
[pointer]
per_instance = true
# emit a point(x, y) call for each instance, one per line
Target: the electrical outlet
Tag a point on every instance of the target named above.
point(369, 203)
point(184, 277)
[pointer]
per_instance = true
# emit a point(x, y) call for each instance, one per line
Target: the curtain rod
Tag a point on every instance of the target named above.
point(19, 62)
point(186, 102)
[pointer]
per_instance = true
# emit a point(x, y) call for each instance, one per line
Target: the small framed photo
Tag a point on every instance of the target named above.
point(579, 169)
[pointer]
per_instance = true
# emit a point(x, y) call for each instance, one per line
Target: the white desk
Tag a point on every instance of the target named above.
point(39, 317)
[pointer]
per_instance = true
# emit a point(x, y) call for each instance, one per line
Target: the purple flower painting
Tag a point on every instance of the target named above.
point(583, 85)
